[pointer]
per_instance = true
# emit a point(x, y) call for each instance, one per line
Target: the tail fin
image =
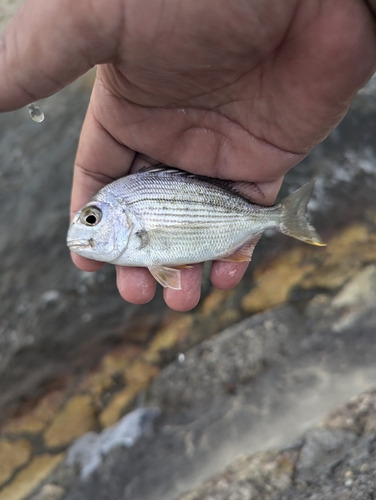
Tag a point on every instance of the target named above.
point(294, 221)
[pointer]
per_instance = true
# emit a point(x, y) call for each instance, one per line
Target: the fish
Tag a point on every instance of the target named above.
point(167, 219)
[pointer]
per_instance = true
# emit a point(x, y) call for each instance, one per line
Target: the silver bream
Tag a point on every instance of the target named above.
point(165, 219)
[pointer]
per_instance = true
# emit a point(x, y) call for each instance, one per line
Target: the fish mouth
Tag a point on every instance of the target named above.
point(78, 244)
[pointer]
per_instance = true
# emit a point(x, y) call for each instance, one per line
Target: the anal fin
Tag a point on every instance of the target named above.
point(168, 277)
point(244, 252)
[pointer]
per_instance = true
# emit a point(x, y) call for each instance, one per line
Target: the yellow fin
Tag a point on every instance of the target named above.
point(317, 243)
point(168, 277)
point(244, 252)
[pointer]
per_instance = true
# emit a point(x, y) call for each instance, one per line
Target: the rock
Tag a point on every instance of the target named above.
point(321, 447)
point(76, 418)
point(254, 386)
point(358, 295)
point(49, 492)
point(38, 417)
point(262, 475)
point(138, 377)
point(53, 317)
point(360, 292)
point(357, 415)
point(30, 477)
point(222, 363)
point(13, 454)
point(351, 476)
point(88, 451)
point(328, 464)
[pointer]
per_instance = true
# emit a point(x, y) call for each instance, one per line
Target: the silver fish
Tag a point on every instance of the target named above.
point(165, 219)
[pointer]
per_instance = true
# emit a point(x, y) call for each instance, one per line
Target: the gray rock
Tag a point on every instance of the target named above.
point(262, 475)
point(278, 475)
point(49, 492)
point(53, 317)
point(90, 449)
point(296, 369)
point(358, 415)
point(327, 463)
point(219, 365)
point(321, 447)
point(350, 477)
point(358, 295)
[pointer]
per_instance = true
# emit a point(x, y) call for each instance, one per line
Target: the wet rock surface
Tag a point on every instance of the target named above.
point(53, 317)
point(252, 387)
point(343, 468)
point(81, 358)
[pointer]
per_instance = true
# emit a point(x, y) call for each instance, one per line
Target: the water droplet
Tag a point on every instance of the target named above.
point(50, 297)
point(86, 317)
point(35, 112)
point(181, 358)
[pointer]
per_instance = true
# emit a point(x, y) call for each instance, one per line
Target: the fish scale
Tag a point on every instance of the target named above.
point(162, 218)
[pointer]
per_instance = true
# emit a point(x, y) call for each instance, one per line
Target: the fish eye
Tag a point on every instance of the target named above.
point(91, 216)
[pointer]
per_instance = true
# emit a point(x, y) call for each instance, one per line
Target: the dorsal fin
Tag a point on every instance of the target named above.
point(242, 188)
point(160, 168)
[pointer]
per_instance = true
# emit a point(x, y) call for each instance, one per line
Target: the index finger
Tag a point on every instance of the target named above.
point(100, 159)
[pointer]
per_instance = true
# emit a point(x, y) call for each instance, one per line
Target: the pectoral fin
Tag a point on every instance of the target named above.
point(168, 277)
point(244, 252)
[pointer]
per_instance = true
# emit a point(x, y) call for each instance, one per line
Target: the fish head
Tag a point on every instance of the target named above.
point(100, 231)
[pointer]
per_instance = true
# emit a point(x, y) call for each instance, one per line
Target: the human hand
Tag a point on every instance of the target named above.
point(239, 90)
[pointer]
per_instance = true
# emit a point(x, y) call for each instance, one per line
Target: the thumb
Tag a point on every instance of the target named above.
point(47, 45)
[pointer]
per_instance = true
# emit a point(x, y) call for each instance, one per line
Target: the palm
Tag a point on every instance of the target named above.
point(236, 108)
